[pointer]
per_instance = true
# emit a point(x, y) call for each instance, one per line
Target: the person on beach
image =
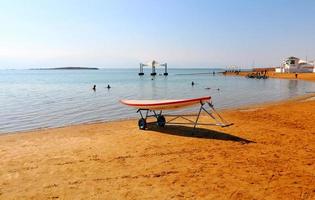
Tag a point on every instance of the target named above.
point(108, 86)
point(94, 88)
point(296, 75)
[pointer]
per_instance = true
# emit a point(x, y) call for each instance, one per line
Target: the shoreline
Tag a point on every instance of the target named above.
point(234, 108)
point(301, 76)
point(267, 153)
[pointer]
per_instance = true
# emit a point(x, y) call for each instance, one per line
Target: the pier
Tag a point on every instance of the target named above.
point(154, 64)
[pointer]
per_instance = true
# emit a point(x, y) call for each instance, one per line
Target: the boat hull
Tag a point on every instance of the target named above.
point(165, 104)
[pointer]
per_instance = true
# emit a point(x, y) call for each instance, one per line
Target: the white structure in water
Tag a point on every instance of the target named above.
point(153, 65)
point(293, 65)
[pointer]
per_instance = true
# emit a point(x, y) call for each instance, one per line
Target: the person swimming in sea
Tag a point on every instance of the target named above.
point(94, 88)
point(108, 86)
point(192, 83)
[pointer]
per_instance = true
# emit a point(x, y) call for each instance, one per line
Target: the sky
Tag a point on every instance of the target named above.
point(183, 33)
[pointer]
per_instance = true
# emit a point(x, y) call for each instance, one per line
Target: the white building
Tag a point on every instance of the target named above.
point(293, 65)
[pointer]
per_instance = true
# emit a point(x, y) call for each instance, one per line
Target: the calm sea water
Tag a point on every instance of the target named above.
point(31, 99)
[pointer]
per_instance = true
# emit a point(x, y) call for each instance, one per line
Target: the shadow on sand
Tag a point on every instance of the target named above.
point(187, 131)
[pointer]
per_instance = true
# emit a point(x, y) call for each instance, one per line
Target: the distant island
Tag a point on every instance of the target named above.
point(67, 68)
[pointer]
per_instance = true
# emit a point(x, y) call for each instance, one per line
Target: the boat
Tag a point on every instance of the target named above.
point(145, 107)
point(165, 104)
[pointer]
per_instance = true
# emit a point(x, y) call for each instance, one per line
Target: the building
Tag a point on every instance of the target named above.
point(295, 65)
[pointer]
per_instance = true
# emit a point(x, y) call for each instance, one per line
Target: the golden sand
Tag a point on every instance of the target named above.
point(301, 76)
point(269, 153)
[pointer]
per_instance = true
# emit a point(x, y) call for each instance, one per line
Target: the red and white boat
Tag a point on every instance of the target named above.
point(165, 104)
point(157, 106)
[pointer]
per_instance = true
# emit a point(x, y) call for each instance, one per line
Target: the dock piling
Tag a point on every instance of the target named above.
point(141, 70)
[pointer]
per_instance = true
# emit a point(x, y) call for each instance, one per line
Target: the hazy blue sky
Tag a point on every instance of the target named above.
point(184, 33)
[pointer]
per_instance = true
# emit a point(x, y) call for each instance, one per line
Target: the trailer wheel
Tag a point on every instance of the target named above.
point(142, 124)
point(161, 121)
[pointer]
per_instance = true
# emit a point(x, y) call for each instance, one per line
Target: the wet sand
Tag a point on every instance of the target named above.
point(269, 153)
point(301, 76)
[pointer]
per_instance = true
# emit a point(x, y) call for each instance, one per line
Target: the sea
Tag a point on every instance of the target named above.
point(35, 99)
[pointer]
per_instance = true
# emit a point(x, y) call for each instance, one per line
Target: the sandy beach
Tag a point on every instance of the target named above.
point(301, 76)
point(267, 154)
point(76, 76)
